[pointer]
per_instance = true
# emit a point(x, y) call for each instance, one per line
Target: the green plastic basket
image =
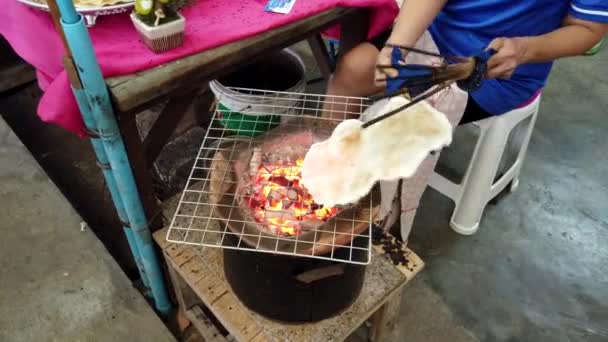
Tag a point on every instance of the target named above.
point(248, 125)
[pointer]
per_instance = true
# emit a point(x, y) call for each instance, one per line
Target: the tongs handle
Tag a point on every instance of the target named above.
point(415, 50)
point(414, 78)
point(426, 77)
point(473, 82)
point(406, 106)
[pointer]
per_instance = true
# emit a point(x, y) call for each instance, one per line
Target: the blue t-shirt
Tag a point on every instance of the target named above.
point(466, 27)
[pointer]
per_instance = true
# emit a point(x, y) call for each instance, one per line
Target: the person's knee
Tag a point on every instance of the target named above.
point(355, 70)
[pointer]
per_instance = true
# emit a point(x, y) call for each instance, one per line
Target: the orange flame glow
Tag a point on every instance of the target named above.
point(281, 203)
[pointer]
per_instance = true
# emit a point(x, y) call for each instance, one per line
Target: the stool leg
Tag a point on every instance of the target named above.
point(477, 183)
point(385, 320)
point(523, 150)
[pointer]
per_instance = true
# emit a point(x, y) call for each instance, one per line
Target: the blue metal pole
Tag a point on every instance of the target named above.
point(102, 158)
point(102, 114)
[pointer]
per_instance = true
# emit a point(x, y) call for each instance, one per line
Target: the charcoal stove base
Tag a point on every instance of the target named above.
point(294, 289)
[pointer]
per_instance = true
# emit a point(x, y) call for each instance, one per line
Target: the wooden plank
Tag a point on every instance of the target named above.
point(14, 75)
point(174, 249)
point(209, 288)
point(261, 337)
point(193, 269)
point(162, 242)
point(385, 319)
point(235, 318)
point(178, 286)
point(204, 326)
point(180, 259)
point(132, 92)
point(414, 263)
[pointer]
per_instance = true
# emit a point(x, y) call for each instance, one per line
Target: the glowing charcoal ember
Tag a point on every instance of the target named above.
point(280, 204)
point(256, 161)
point(278, 180)
point(292, 194)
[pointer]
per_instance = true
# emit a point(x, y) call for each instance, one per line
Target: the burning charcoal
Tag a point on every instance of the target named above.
point(315, 206)
point(279, 180)
point(301, 205)
point(277, 194)
point(272, 204)
point(292, 194)
point(287, 204)
point(255, 162)
point(252, 202)
point(276, 214)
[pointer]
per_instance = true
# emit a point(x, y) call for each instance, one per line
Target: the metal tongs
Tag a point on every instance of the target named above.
point(423, 81)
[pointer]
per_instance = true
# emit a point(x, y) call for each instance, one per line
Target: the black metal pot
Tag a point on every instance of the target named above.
point(294, 289)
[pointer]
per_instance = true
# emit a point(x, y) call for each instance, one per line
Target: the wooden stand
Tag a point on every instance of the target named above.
point(204, 296)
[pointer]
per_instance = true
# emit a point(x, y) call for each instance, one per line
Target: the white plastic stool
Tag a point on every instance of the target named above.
point(478, 187)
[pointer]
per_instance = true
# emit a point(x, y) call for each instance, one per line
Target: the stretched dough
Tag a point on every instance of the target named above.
point(344, 168)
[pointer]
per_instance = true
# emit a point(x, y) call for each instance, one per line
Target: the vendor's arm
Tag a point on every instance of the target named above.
point(581, 30)
point(414, 18)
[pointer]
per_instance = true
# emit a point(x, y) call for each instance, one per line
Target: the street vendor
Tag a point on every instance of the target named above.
point(526, 35)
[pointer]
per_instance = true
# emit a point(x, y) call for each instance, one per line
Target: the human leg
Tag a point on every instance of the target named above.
point(354, 76)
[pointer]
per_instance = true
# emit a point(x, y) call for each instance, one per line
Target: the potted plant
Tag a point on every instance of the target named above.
point(159, 23)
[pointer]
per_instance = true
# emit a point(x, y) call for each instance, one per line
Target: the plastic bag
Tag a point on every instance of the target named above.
point(400, 198)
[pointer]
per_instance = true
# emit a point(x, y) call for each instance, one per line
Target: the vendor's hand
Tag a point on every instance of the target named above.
point(510, 53)
point(384, 58)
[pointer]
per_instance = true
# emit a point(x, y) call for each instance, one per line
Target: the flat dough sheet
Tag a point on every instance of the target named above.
point(345, 167)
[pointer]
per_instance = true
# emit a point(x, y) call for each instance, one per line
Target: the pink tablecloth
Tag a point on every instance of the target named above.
point(209, 23)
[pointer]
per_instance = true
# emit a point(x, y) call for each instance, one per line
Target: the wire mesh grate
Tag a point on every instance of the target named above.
point(211, 213)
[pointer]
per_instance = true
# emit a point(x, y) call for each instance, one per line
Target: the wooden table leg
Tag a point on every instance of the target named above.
point(204, 325)
point(189, 310)
point(317, 46)
point(166, 123)
point(385, 319)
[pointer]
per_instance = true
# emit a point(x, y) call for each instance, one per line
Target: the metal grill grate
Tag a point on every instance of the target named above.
point(197, 219)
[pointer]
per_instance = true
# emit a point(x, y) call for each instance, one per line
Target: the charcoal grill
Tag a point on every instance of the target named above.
point(213, 191)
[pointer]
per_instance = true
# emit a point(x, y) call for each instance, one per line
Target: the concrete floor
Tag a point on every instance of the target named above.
point(57, 281)
point(535, 271)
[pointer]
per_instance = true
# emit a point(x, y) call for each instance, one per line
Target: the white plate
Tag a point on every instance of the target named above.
point(90, 13)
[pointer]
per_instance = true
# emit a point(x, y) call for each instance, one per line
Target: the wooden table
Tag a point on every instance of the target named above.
point(202, 292)
point(181, 80)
